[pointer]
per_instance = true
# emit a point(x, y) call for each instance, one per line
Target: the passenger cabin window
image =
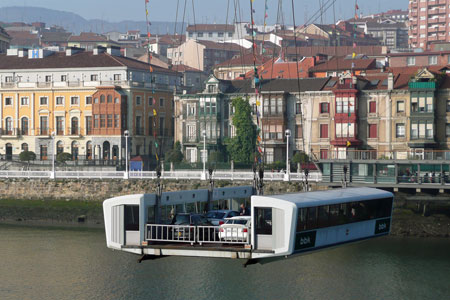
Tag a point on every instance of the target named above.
point(131, 217)
point(310, 218)
point(263, 220)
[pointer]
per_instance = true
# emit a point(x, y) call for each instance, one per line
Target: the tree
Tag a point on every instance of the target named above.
point(175, 155)
point(63, 157)
point(242, 147)
point(216, 156)
point(27, 156)
point(300, 157)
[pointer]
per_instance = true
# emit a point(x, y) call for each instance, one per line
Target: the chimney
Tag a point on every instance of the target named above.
point(98, 50)
point(112, 50)
point(22, 53)
point(390, 81)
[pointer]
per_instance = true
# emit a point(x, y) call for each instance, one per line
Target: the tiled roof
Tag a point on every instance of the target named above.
point(48, 37)
point(424, 53)
point(210, 27)
point(83, 59)
point(281, 69)
point(276, 85)
point(245, 60)
point(184, 68)
point(221, 46)
point(339, 63)
point(23, 38)
point(88, 37)
point(338, 50)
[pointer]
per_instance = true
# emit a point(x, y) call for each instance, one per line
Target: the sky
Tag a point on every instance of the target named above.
point(210, 11)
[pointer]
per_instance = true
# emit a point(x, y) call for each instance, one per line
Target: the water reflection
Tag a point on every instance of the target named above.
point(44, 263)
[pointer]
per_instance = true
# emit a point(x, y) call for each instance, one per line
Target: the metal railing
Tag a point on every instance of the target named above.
point(384, 155)
point(197, 234)
point(173, 175)
point(170, 233)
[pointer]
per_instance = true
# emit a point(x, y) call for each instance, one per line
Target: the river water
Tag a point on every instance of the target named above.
point(56, 263)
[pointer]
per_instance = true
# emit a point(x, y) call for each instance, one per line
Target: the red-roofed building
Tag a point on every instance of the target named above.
point(342, 65)
point(238, 66)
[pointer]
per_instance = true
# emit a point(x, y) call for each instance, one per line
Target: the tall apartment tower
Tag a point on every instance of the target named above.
point(428, 21)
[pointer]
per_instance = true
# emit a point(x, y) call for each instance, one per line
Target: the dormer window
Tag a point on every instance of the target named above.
point(211, 88)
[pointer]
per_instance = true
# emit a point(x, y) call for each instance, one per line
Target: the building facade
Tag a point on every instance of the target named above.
point(82, 103)
point(428, 22)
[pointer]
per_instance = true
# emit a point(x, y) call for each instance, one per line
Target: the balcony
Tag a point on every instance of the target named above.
point(74, 131)
point(422, 85)
point(190, 139)
point(45, 131)
point(9, 132)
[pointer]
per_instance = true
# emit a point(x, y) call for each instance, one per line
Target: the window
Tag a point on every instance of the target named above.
point(400, 130)
point(116, 121)
point(24, 101)
point(230, 34)
point(24, 126)
point(109, 99)
point(150, 101)
point(345, 130)
point(150, 125)
point(116, 100)
point(102, 121)
point(48, 78)
point(102, 98)
point(400, 106)
point(94, 77)
point(372, 107)
point(96, 100)
point(161, 126)
point(8, 126)
point(298, 131)
point(8, 101)
point(43, 152)
point(324, 107)
point(88, 121)
point(63, 78)
point(109, 122)
point(190, 34)
point(432, 60)
point(411, 61)
point(74, 130)
point(200, 34)
point(88, 100)
point(429, 131)
point(447, 130)
point(43, 125)
point(323, 131)
point(96, 121)
point(263, 218)
point(59, 100)
point(59, 125)
point(414, 104)
point(210, 34)
point(414, 131)
point(161, 102)
point(138, 100)
point(24, 147)
point(43, 101)
point(220, 34)
point(116, 77)
point(372, 131)
point(429, 104)
point(74, 100)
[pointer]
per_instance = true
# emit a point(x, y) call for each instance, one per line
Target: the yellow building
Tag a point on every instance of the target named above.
point(82, 103)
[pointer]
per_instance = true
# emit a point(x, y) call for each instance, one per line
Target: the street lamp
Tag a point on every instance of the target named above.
point(287, 133)
point(52, 176)
point(204, 155)
point(126, 134)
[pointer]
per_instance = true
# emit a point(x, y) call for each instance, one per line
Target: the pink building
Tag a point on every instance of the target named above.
point(428, 21)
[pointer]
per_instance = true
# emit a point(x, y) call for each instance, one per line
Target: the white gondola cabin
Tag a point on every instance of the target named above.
point(281, 226)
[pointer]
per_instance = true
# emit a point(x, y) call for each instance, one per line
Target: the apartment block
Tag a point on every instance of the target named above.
point(428, 22)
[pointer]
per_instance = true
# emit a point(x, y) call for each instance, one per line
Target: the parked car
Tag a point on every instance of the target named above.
point(186, 222)
point(217, 217)
point(236, 229)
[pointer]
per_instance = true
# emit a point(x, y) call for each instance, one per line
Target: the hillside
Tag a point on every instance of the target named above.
point(75, 23)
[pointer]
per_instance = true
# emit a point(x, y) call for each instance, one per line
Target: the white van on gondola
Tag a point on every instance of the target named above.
point(282, 225)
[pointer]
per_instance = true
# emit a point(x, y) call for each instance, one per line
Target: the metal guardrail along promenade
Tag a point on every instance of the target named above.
point(174, 175)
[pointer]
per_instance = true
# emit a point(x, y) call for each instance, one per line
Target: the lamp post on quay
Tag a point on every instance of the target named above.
point(52, 175)
point(126, 174)
point(287, 133)
point(204, 155)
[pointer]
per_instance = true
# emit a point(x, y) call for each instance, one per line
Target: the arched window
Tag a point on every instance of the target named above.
point(24, 126)
point(24, 147)
point(75, 147)
point(106, 150)
point(74, 129)
point(102, 99)
point(109, 99)
point(8, 126)
point(59, 147)
point(89, 150)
